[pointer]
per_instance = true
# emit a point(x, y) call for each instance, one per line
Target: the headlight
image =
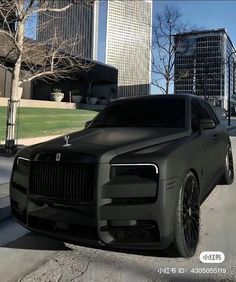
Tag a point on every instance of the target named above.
point(20, 174)
point(22, 164)
point(145, 171)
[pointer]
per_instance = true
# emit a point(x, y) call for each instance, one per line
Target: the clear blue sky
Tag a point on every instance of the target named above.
point(206, 14)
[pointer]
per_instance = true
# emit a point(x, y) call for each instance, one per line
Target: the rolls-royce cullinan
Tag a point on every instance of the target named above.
point(134, 178)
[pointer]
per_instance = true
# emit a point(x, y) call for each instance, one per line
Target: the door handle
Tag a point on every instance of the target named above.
point(214, 136)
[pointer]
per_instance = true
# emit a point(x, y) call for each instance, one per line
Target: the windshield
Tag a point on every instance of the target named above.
point(167, 113)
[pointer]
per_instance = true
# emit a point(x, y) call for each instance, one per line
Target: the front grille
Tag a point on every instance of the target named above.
point(67, 181)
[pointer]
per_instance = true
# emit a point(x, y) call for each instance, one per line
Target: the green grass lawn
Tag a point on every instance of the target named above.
point(34, 122)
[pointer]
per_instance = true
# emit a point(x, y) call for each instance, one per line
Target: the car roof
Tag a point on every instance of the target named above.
point(159, 96)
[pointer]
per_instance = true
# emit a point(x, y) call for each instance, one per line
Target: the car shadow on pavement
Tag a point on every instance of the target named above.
point(148, 253)
point(33, 241)
point(141, 252)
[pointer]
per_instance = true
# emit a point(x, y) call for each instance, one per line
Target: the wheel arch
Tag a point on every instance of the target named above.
point(196, 175)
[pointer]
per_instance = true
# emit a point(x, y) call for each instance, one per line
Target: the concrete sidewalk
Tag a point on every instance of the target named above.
point(5, 210)
point(34, 140)
point(5, 174)
point(5, 169)
point(232, 123)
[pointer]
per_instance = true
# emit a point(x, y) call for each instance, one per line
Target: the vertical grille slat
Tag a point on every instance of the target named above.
point(76, 185)
point(67, 181)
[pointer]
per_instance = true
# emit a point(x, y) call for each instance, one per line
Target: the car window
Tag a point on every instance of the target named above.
point(198, 112)
point(210, 111)
point(151, 112)
point(195, 115)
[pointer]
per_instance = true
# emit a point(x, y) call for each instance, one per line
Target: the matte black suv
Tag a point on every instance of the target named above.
point(133, 178)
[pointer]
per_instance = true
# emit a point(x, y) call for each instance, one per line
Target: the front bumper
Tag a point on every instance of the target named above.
point(118, 218)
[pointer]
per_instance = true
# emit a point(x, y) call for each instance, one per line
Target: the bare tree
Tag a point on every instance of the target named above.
point(166, 25)
point(53, 59)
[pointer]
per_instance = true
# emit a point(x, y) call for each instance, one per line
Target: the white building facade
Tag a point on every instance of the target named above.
point(128, 44)
point(78, 25)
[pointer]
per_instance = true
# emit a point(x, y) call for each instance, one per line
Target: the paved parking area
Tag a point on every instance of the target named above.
point(5, 169)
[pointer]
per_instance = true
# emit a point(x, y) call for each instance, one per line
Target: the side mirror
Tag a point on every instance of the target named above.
point(207, 124)
point(87, 123)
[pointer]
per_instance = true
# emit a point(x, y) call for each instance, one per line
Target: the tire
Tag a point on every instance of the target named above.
point(228, 176)
point(187, 219)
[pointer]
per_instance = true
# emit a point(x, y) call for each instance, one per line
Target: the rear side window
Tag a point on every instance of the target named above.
point(195, 115)
point(198, 112)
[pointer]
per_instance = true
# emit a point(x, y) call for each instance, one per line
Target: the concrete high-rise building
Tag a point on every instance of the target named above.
point(201, 65)
point(78, 23)
point(128, 44)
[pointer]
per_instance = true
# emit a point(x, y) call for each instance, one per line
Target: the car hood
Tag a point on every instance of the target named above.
point(106, 143)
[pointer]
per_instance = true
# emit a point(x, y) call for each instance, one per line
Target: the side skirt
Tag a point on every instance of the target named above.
point(212, 186)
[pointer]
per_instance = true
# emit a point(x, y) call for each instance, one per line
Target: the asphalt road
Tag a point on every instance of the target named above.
point(37, 258)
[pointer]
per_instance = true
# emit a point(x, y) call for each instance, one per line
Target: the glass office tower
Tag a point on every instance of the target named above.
point(128, 44)
point(201, 65)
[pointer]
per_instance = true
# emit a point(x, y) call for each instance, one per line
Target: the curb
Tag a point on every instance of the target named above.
point(5, 208)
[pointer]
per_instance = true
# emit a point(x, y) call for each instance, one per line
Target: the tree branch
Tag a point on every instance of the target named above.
point(168, 23)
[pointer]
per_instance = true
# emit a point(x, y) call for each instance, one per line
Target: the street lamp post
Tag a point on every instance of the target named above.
point(229, 84)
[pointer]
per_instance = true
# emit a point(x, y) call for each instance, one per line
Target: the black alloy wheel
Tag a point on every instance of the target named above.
point(191, 213)
point(228, 176)
point(187, 220)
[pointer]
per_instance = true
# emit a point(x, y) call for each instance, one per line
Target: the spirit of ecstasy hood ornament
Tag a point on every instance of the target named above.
point(67, 141)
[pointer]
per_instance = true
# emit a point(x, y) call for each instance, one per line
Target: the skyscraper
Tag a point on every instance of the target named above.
point(128, 44)
point(202, 56)
point(78, 25)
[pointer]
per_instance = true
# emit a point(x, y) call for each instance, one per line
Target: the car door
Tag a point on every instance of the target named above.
point(208, 143)
point(219, 138)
